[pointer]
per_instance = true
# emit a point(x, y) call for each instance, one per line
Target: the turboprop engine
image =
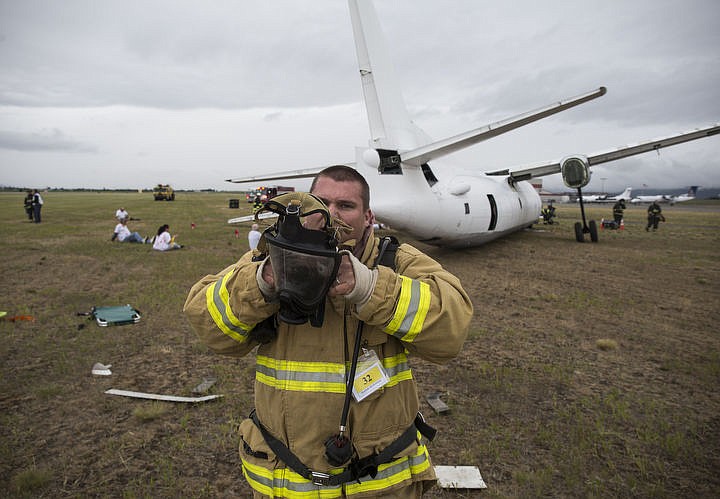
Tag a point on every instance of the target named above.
point(575, 171)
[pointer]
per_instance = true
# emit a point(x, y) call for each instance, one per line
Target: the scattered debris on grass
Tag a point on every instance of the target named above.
point(166, 398)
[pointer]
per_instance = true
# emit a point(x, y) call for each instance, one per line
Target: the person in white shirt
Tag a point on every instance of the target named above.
point(121, 213)
point(124, 235)
point(164, 241)
point(254, 236)
point(37, 204)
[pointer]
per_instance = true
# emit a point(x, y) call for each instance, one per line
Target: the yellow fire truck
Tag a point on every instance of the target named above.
point(163, 192)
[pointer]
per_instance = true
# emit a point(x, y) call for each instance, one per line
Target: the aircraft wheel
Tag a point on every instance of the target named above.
point(593, 231)
point(579, 237)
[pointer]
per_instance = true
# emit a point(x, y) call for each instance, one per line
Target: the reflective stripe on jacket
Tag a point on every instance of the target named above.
point(418, 309)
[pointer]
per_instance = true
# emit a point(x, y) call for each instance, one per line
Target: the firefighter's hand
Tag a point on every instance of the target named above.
point(316, 221)
point(354, 280)
point(345, 279)
point(265, 278)
point(267, 273)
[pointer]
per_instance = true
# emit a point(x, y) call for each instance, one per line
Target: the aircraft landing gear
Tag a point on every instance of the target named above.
point(585, 227)
point(580, 231)
point(576, 174)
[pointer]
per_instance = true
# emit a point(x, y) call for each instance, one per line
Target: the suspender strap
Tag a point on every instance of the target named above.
point(388, 248)
point(282, 452)
point(357, 468)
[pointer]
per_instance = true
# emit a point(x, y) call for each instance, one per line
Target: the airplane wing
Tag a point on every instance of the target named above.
point(421, 155)
point(251, 218)
point(612, 155)
point(447, 146)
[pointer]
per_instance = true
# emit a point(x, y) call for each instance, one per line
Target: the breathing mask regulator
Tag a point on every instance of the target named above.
point(304, 262)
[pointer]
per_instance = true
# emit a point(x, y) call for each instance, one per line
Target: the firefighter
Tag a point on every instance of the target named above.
point(548, 213)
point(618, 209)
point(257, 203)
point(655, 216)
point(407, 305)
point(29, 205)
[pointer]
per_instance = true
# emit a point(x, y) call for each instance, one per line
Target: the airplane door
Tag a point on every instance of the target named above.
point(493, 213)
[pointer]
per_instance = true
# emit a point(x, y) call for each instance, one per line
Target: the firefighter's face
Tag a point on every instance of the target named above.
point(344, 200)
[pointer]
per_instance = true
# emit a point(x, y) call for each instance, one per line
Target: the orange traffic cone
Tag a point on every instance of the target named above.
point(602, 223)
point(622, 224)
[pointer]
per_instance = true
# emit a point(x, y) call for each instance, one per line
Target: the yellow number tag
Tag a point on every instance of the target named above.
point(369, 380)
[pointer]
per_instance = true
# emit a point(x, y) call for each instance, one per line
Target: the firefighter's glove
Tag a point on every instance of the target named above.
point(365, 280)
point(267, 289)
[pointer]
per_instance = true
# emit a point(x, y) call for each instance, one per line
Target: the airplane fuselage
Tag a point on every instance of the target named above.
point(460, 211)
point(649, 199)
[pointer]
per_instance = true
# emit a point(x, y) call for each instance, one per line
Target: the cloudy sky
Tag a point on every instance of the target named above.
point(130, 93)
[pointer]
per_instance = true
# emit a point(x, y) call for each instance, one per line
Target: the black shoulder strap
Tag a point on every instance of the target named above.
point(388, 248)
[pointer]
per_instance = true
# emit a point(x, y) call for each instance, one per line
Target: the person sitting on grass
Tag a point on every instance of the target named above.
point(123, 234)
point(164, 241)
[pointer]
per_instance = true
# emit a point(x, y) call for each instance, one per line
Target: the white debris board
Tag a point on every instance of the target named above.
point(166, 398)
point(459, 477)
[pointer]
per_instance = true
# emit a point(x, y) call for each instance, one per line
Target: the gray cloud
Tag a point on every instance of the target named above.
point(46, 140)
point(117, 77)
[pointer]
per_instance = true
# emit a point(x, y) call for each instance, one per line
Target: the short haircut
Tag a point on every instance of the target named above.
point(343, 173)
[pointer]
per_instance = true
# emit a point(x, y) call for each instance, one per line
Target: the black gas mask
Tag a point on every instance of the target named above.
point(304, 262)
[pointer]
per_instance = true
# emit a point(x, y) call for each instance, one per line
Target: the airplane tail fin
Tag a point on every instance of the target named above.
point(692, 192)
point(626, 194)
point(390, 124)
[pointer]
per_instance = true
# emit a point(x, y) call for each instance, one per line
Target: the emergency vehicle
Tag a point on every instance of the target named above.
point(163, 192)
point(268, 192)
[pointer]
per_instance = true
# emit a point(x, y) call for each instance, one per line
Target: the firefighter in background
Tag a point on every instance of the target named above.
point(548, 213)
point(257, 203)
point(408, 306)
point(655, 216)
point(618, 209)
point(29, 205)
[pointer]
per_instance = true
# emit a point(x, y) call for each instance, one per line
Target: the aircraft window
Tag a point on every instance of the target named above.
point(467, 209)
point(493, 212)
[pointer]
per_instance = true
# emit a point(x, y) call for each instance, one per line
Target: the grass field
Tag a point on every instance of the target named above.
point(591, 370)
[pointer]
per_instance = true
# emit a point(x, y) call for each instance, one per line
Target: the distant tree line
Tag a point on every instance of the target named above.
point(82, 189)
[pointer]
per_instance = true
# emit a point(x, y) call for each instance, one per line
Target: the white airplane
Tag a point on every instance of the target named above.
point(604, 198)
point(451, 209)
point(685, 197)
point(667, 198)
point(658, 198)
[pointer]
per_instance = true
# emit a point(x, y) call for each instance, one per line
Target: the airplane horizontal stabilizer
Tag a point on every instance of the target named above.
point(289, 174)
point(447, 146)
point(611, 155)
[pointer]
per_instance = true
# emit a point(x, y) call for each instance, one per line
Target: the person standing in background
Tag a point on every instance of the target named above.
point(29, 205)
point(254, 236)
point(37, 203)
point(655, 216)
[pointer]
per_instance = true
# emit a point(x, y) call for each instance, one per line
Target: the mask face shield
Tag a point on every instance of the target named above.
point(302, 280)
point(304, 264)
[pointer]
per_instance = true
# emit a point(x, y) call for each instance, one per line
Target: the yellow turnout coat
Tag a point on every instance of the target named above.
point(419, 308)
